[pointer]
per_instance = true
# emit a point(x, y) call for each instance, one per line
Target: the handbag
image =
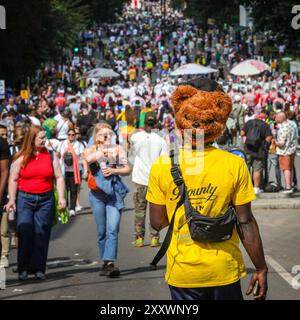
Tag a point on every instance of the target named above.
point(68, 159)
point(60, 215)
point(202, 228)
point(91, 182)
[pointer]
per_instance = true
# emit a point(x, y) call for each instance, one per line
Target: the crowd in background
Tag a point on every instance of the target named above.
point(68, 105)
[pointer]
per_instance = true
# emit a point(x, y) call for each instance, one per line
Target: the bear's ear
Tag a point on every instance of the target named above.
point(223, 104)
point(181, 94)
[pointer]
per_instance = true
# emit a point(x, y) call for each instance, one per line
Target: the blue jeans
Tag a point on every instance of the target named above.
point(273, 161)
point(229, 292)
point(107, 218)
point(35, 216)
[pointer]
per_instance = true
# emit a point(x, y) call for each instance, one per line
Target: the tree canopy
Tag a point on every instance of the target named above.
point(37, 31)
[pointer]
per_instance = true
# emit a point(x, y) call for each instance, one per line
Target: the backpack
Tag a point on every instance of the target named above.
point(238, 152)
point(253, 138)
point(68, 159)
point(272, 187)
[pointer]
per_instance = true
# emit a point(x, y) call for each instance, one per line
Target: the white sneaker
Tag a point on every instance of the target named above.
point(287, 191)
point(78, 208)
point(258, 190)
point(4, 262)
point(72, 213)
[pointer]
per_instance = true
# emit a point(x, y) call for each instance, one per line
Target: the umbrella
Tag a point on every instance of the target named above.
point(102, 73)
point(192, 68)
point(249, 68)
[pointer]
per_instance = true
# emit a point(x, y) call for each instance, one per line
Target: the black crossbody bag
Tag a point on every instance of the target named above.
point(202, 228)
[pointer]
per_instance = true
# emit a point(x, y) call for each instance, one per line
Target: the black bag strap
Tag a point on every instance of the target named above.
point(176, 174)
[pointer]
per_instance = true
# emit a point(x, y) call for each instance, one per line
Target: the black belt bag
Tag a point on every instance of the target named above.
point(206, 229)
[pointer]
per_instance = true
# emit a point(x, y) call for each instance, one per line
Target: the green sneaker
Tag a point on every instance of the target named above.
point(154, 242)
point(139, 242)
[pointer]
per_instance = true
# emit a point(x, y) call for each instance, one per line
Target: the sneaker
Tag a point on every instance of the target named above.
point(23, 276)
point(109, 270)
point(258, 190)
point(4, 262)
point(287, 191)
point(78, 208)
point(154, 243)
point(112, 271)
point(139, 242)
point(72, 213)
point(40, 275)
point(103, 271)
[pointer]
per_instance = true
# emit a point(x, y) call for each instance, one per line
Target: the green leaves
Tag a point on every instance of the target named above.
point(274, 16)
point(226, 11)
point(67, 18)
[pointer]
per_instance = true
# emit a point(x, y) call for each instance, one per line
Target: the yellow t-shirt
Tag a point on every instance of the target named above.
point(213, 178)
point(132, 74)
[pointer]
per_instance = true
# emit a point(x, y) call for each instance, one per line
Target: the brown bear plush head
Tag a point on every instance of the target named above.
point(196, 109)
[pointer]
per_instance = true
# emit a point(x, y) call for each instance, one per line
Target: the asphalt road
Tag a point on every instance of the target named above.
point(73, 264)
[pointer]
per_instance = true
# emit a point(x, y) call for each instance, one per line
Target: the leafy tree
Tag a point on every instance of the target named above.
point(36, 32)
point(274, 16)
point(65, 20)
point(226, 11)
point(24, 37)
point(104, 10)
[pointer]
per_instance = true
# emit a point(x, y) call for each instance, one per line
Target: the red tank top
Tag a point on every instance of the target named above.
point(37, 176)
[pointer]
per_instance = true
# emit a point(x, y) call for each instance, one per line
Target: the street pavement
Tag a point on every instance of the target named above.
point(73, 261)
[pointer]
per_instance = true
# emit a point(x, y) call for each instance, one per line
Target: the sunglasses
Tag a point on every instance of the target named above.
point(71, 134)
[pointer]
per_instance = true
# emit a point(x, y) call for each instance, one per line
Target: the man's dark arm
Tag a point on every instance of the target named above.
point(158, 216)
point(4, 174)
point(249, 234)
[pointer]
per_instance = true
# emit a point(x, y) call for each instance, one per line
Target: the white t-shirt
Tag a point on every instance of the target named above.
point(78, 147)
point(146, 147)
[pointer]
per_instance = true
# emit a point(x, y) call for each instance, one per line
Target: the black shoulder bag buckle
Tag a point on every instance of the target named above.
point(202, 228)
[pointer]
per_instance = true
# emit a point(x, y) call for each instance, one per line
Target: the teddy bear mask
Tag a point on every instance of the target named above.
point(196, 109)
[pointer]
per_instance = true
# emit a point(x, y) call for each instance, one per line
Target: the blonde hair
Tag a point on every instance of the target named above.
point(19, 135)
point(98, 127)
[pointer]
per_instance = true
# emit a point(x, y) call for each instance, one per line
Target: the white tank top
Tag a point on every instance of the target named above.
point(62, 129)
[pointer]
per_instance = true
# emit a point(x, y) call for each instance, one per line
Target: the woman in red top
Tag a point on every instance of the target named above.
point(31, 196)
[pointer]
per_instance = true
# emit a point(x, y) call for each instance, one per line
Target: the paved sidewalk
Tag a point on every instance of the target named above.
point(277, 201)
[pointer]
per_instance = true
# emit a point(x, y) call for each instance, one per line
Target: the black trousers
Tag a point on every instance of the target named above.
point(229, 292)
point(71, 190)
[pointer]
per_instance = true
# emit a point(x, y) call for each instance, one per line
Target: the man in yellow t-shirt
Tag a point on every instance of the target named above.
point(214, 179)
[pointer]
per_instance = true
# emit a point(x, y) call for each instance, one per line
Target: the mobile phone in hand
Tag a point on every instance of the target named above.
point(256, 289)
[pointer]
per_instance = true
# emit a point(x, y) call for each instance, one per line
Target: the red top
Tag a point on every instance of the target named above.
point(37, 176)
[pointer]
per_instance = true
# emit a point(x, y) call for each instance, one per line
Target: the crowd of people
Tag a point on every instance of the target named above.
point(96, 129)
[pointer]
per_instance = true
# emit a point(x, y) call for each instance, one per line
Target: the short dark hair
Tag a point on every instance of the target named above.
point(84, 106)
point(204, 84)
